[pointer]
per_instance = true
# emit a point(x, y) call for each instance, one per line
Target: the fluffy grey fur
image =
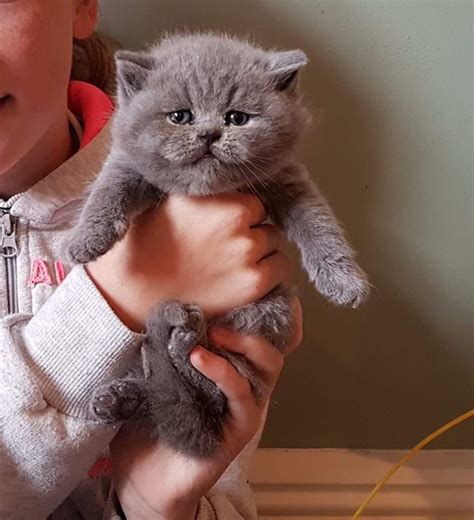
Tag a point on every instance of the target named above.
point(207, 151)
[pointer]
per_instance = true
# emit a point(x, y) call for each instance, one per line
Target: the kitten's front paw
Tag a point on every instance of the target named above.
point(118, 401)
point(81, 250)
point(342, 282)
point(87, 244)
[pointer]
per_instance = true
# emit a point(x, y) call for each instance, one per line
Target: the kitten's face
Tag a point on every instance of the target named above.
point(210, 115)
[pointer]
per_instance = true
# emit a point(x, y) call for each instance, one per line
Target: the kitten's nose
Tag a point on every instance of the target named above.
point(210, 137)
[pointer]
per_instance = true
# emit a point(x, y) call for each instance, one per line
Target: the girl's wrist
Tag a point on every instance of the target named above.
point(119, 297)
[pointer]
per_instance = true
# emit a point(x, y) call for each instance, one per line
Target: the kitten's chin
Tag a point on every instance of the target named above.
point(207, 177)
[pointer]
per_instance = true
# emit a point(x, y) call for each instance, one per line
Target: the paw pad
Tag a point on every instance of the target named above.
point(118, 401)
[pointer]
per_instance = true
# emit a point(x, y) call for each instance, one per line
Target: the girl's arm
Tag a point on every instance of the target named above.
point(49, 364)
point(83, 336)
point(154, 482)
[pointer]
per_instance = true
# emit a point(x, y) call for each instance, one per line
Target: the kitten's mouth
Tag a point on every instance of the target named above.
point(205, 157)
point(208, 156)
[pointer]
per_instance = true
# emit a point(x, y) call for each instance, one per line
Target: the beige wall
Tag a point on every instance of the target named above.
point(391, 82)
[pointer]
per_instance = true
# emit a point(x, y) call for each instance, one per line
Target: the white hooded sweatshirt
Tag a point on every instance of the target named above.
point(59, 340)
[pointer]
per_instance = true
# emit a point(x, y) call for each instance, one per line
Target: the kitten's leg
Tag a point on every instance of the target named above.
point(270, 317)
point(297, 206)
point(187, 409)
point(120, 400)
point(116, 195)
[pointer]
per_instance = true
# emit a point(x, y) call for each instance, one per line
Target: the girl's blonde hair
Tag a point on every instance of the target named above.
point(93, 61)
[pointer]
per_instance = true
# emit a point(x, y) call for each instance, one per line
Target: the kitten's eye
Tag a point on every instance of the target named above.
point(236, 118)
point(181, 117)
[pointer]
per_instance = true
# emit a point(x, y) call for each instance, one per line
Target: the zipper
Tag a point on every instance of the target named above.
point(9, 251)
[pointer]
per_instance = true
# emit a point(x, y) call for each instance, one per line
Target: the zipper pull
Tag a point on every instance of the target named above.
point(8, 236)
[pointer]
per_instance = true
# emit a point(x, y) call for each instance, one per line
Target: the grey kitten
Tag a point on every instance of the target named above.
point(202, 114)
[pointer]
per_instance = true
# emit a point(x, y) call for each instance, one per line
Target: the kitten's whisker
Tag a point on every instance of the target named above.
point(248, 182)
point(265, 187)
point(261, 169)
point(243, 168)
point(264, 180)
point(258, 180)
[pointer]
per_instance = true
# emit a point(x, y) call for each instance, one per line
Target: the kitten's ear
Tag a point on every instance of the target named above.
point(284, 67)
point(132, 72)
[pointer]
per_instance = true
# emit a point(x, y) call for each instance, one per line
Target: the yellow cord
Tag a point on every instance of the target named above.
point(410, 454)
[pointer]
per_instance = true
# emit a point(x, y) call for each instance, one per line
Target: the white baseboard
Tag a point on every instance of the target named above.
point(295, 484)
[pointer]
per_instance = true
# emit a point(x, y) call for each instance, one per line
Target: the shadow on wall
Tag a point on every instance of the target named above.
point(370, 378)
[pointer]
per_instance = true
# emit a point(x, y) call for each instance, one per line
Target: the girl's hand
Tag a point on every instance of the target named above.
point(154, 482)
point(206, 250)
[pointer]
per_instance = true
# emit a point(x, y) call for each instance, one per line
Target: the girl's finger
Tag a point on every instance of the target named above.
point(262, 355)
point(272, 271)
point(267, 238)
point(257, 210)
point(297, 335)
point(254, 210)
point(235, 386)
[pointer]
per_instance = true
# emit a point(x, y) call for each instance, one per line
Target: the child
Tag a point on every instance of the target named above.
point(65, 330)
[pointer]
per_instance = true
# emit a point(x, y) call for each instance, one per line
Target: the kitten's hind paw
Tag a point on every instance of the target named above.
point(182, 341)
point(168, 316)
point(342, 282)
point(188, 316)
point(188, 326)
point(118, 401)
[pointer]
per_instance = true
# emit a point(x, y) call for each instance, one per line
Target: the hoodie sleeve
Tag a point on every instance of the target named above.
point(49, 365)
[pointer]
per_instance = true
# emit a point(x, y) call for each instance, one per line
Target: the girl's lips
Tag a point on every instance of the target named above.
point(4, 99)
